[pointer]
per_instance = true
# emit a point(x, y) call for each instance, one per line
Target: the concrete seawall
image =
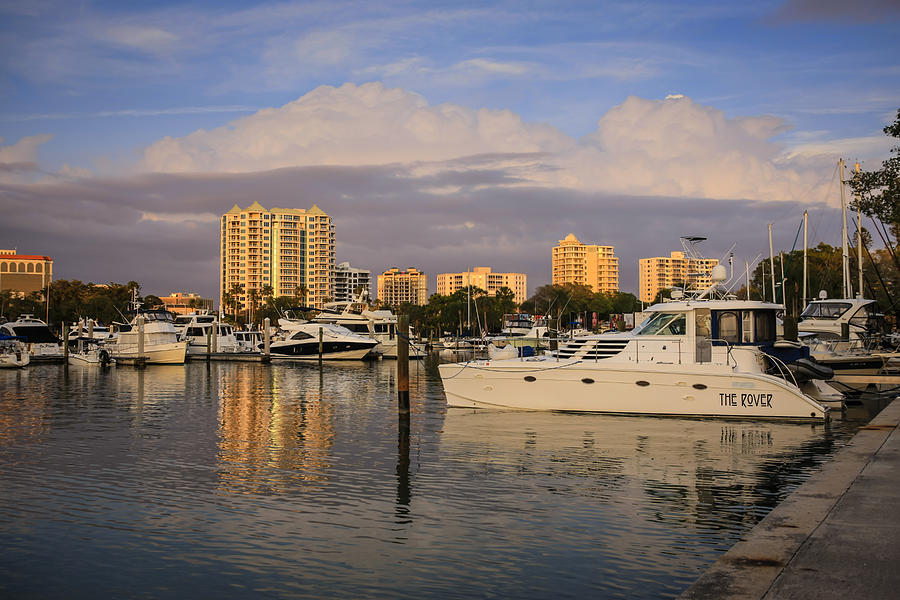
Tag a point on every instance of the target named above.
point(836, 536)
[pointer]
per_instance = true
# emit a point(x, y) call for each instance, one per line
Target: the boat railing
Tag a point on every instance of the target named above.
point(779, 364)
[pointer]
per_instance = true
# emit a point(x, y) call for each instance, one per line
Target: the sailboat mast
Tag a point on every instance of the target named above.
point(845, 253)
point(859, 241)
point(805, 246)
point(772, 263)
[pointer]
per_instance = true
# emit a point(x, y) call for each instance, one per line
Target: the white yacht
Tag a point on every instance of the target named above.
point(825, 318)
point(701, 356)
point(161, 343)
point(379, 325)
point(13, 352)
point(38, 339)
point(195, 328)
point(300, 341)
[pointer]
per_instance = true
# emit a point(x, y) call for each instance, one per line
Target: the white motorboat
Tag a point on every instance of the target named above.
point(195, 328)
point(89, 351)
point(248, 340)
point(38, 339)
point(13, 352)
point(379, 325)
point(300, 341)
point(827, 318)
point(161, 345)
point(695, 357)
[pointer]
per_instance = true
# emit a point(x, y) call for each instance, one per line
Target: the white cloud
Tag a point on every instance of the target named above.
point(672, 147)
point(352, 125)
point(148, 39)
point(25, 150)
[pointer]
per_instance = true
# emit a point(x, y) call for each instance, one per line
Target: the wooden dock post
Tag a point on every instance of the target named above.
point(209, 337)
point(215, 338)
point(267, 338)
point(140, 360)
point(321, 348)
point(65, 343)
point(403, 364)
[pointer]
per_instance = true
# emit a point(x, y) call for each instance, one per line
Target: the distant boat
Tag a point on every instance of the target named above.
point(13, 352)
point(195, 329)
point(161, 344)
point(39, 340)
point(301, 342)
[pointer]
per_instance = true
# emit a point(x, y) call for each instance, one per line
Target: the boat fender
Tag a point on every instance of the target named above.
point(812, 370)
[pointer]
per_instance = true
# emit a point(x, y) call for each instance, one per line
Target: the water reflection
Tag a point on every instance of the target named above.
point(235, 480)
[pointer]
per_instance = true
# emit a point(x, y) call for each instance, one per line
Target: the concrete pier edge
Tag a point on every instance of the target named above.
point(794, 553)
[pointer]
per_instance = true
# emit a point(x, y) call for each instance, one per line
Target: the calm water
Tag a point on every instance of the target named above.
point(237, 480)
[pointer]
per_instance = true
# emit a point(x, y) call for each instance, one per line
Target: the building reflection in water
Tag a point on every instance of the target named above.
point(24, 410)
point(276, 430)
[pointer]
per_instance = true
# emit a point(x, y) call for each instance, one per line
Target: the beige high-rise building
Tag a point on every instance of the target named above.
point(286, 248)
point(396, 287)
point(587, 264)
point(663, 272)
point(485, 279)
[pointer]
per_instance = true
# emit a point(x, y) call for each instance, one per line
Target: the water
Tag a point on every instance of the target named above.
point(232, 480)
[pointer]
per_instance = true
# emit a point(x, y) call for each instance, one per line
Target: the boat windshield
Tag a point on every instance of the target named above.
point(35, 334)
point(825, 310)
point(663, 323)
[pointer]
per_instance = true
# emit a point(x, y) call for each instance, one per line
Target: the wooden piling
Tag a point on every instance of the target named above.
point(321, 344)
point(266, 337)
point(403, 364)
point(215, 337)
point(209, 337)
point(65, 343)
point(140, 349)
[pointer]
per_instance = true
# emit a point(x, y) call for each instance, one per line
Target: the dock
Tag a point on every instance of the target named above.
point(837, 536)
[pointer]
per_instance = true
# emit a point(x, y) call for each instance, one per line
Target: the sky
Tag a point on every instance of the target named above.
point(438, 135)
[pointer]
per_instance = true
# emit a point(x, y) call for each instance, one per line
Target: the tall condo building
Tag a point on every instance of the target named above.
point(348, 279)
point(485, 279)
point(588, 264)
point(289, 249)
point(662, 272)
point(396, 287)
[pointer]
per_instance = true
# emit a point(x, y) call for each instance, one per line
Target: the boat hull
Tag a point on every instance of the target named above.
point(692, 390)
point(14, 360)
point(330, 351)
point(154, 354)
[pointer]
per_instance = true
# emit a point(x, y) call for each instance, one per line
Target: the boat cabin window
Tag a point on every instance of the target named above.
point(301, 335)
point(728, 327)
point(764, 324)
point(663, 323)
point(863, 315)
point(825, 310)
point(196, 332)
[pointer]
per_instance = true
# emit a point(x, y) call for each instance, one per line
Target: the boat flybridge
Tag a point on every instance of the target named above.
point(710, 355)
point(159, 344)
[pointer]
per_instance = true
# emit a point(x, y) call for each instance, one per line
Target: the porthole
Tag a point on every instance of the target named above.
point(643, 383)
point(530, 378)
point(699, 386)
point(587, 380)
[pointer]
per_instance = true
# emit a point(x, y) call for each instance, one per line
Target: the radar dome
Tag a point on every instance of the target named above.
point(718, 274)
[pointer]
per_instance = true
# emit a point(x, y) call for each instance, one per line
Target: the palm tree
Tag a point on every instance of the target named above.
point(301, 292)
point(236, 291)
point(252, 296)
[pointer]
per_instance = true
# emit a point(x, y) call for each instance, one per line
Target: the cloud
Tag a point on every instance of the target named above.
point(351, 125)
point(671, 147)
point(138, 227)
point(19, 162)
point(149, 39)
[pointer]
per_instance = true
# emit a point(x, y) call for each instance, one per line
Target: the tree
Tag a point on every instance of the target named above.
point(878, 192)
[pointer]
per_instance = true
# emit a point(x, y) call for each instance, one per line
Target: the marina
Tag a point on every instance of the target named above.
point(292, 479)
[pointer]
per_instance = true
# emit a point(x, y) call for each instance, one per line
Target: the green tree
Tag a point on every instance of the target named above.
point(879, 191)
